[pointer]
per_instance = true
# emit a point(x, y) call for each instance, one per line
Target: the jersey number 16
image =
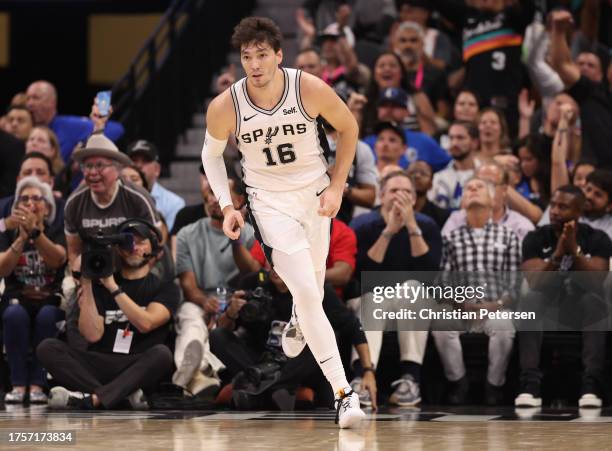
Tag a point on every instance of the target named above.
point(285, 154)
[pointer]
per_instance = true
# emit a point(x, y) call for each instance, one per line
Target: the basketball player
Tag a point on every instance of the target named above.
point(291, 199)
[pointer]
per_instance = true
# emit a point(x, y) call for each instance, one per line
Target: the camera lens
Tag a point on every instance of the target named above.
point(96, 264)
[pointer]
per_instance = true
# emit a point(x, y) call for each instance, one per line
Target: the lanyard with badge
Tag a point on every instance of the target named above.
point(123, 340)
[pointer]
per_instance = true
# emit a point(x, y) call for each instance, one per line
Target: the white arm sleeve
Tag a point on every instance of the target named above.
point(547, 81)
point(214, 166)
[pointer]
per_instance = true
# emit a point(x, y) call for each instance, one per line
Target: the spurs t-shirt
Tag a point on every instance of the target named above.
point(143, 292)
point(129, 201)
point(31, 270)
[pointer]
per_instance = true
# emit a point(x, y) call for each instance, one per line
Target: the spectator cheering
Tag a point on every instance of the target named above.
point(32, 258)
point(561, 248)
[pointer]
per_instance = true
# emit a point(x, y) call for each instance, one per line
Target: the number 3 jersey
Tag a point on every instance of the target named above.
point(492, 52)
point(281, 148)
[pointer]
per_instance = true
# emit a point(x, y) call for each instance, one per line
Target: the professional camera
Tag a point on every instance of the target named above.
point(258, 308)
point(97, 260)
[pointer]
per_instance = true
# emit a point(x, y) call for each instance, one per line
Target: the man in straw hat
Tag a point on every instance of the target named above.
point(104, 200)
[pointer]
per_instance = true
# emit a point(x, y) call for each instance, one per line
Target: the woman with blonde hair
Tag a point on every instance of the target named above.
point(42, 139)
point(32, 259)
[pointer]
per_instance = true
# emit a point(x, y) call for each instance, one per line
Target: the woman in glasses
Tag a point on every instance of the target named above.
point(32, 258)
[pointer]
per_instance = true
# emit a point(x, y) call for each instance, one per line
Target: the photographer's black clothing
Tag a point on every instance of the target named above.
point(239, 353)
point(143, 292)
point(343, 321)
point(130, 201)
point(251, 343)
point(31, 270)
point(112, 377)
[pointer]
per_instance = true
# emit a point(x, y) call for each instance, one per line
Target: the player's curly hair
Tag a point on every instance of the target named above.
point(259, 30)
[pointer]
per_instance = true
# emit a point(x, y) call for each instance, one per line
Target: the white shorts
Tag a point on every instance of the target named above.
point(288, 220)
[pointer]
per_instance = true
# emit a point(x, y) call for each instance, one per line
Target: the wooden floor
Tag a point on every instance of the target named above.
point(427, 429)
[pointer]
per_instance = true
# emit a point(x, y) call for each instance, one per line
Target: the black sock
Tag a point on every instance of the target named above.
point(411, 368)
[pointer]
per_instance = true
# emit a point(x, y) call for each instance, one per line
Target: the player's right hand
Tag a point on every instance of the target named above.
point(233, 222)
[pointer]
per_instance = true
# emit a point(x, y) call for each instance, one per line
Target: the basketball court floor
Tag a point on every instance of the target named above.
point(410, 429)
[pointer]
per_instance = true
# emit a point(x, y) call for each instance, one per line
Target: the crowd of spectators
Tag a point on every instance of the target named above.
point(483, 133)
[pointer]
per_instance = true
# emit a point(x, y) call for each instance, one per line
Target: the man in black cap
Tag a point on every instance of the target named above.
point(393, 107)
point(145, 156)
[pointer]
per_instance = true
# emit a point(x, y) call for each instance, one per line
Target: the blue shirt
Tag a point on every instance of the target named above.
point(71, 130)
point(167, 203)
point(420, 147)
point(524, 189)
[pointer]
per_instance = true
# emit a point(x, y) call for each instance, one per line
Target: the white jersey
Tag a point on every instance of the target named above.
point(280, 147)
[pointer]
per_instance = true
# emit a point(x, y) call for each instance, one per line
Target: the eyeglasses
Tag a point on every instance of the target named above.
point(25, 199)
point(98, 167)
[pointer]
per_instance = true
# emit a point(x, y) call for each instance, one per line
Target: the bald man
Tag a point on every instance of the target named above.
point(41, 100)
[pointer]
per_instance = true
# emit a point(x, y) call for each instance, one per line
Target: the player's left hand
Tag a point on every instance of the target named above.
point(330, 201)
point(233, 222)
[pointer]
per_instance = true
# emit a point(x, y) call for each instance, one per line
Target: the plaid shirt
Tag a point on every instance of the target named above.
point(490, 255)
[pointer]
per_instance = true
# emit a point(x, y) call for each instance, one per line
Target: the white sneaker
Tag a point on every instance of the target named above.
point(204, 385)
point(138, 401)
point(62, 398)
point(292, 341)
point(348, 413)
point(527, 400)
point(192, 359)
point(14, 397)
point(407, 392)
point(589, 400)
point(527, 413)
point(38, 397)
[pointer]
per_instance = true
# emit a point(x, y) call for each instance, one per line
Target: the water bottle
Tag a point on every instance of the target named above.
point(222, 298)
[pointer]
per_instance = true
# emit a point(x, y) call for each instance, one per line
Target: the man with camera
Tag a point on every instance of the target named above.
point(104, 201)
point(249, 339)
point(125, 318)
